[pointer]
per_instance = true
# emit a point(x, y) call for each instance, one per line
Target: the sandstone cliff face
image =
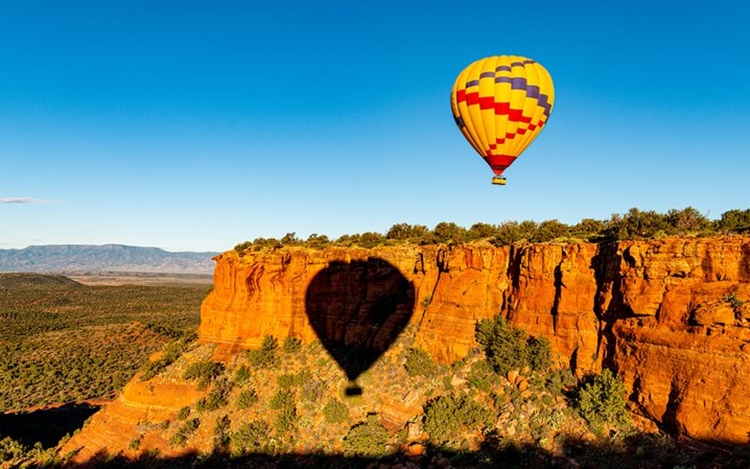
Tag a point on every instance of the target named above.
point(668, 314)
point(680, 330)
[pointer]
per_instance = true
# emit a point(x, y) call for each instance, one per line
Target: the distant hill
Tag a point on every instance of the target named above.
point(23, 281)
point(107, 257)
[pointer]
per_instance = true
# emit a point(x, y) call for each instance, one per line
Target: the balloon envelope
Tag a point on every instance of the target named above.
point(500, 104)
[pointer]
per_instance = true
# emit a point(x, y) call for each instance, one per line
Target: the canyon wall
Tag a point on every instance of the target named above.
point(671, 316)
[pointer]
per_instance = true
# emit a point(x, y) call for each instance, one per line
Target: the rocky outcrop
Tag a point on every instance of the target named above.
point(681, 336)
point(141, 405)
point(671, 315)
point(547, 289)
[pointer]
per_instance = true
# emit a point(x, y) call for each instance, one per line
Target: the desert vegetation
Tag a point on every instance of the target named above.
point(503, 405)
point(635, 224)
point(285, 403)
point(62, 341)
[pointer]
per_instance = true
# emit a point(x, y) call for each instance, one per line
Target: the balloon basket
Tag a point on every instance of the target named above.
point(499, 180)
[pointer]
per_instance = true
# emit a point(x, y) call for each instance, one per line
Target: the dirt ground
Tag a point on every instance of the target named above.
point(139, 278)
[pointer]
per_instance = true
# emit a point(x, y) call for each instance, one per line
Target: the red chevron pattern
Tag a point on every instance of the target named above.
point(488, 102)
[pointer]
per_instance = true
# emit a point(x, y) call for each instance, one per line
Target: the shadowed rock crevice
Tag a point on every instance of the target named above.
point(515, 257)
point(559, 285)
point(669, 421)
point(608, 303)
point(744, 271)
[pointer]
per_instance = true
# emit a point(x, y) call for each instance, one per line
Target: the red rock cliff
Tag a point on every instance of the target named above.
point(668, 314)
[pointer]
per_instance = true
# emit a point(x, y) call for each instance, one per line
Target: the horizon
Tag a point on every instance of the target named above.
point(104, 245)
point(193, 128)
point(280, 236)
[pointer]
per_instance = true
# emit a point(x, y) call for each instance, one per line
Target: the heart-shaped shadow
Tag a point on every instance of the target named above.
point(358, 309)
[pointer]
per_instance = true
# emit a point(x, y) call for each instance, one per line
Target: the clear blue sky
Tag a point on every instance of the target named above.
point(199, 125)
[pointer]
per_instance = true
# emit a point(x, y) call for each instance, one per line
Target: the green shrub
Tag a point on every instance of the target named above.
point(540, 353)
point(285, 381)
point(251, 437)
point(216, 398)
point(186, 429)
point(635, 224)
point(284, 402)
point(481, 231)
point(281, 398)
point(301, 378)
point(480, 376)
point(152, 368)
point(638, 224)
point(265, 356)
point(173, 350)
point(241, 375)
point(316, 241)
point(134, 445)
point(170, 353)
point(588, 229)
point(367, 439)
point(504, 346)
point(11, 449)
point(687, 220)
point(178, 439)
point(369, 239)
point(419, 363)
point(507, 233)
point(221, 432)
point(447, 417)
point(449, 233)
point(247, 399)
point(549, 230)
point(297, 379)
point(335, 411)
point(269, 343)
point(559, 382)
point(732, 299)
point(291, 344)
point(408, 233)
point(204, 371)
point(183, 413)
point(601, 399)
point(509, 348)
point(242, 247)
point(190, 426)
point(737, 221)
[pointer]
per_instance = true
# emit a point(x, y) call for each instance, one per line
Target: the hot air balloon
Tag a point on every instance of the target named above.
point(500, 104)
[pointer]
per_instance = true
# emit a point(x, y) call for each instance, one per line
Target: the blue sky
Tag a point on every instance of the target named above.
point(199, 125)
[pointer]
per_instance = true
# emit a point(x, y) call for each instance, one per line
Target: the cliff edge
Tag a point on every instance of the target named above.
point(671, 316)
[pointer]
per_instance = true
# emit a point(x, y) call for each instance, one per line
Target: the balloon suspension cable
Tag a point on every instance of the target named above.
point(499, 180)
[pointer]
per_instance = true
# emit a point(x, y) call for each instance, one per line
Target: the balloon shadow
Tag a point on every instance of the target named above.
point(358, 309)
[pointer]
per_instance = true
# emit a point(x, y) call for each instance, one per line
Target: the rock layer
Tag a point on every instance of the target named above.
point(669, 315)
point(141, 403)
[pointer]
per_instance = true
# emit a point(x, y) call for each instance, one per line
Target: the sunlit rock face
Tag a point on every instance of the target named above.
point(670, 316)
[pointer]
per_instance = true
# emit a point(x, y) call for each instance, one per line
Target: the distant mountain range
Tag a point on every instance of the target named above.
point(103, 258)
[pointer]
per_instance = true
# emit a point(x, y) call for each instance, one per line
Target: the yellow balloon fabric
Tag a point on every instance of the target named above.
point(501, 104)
